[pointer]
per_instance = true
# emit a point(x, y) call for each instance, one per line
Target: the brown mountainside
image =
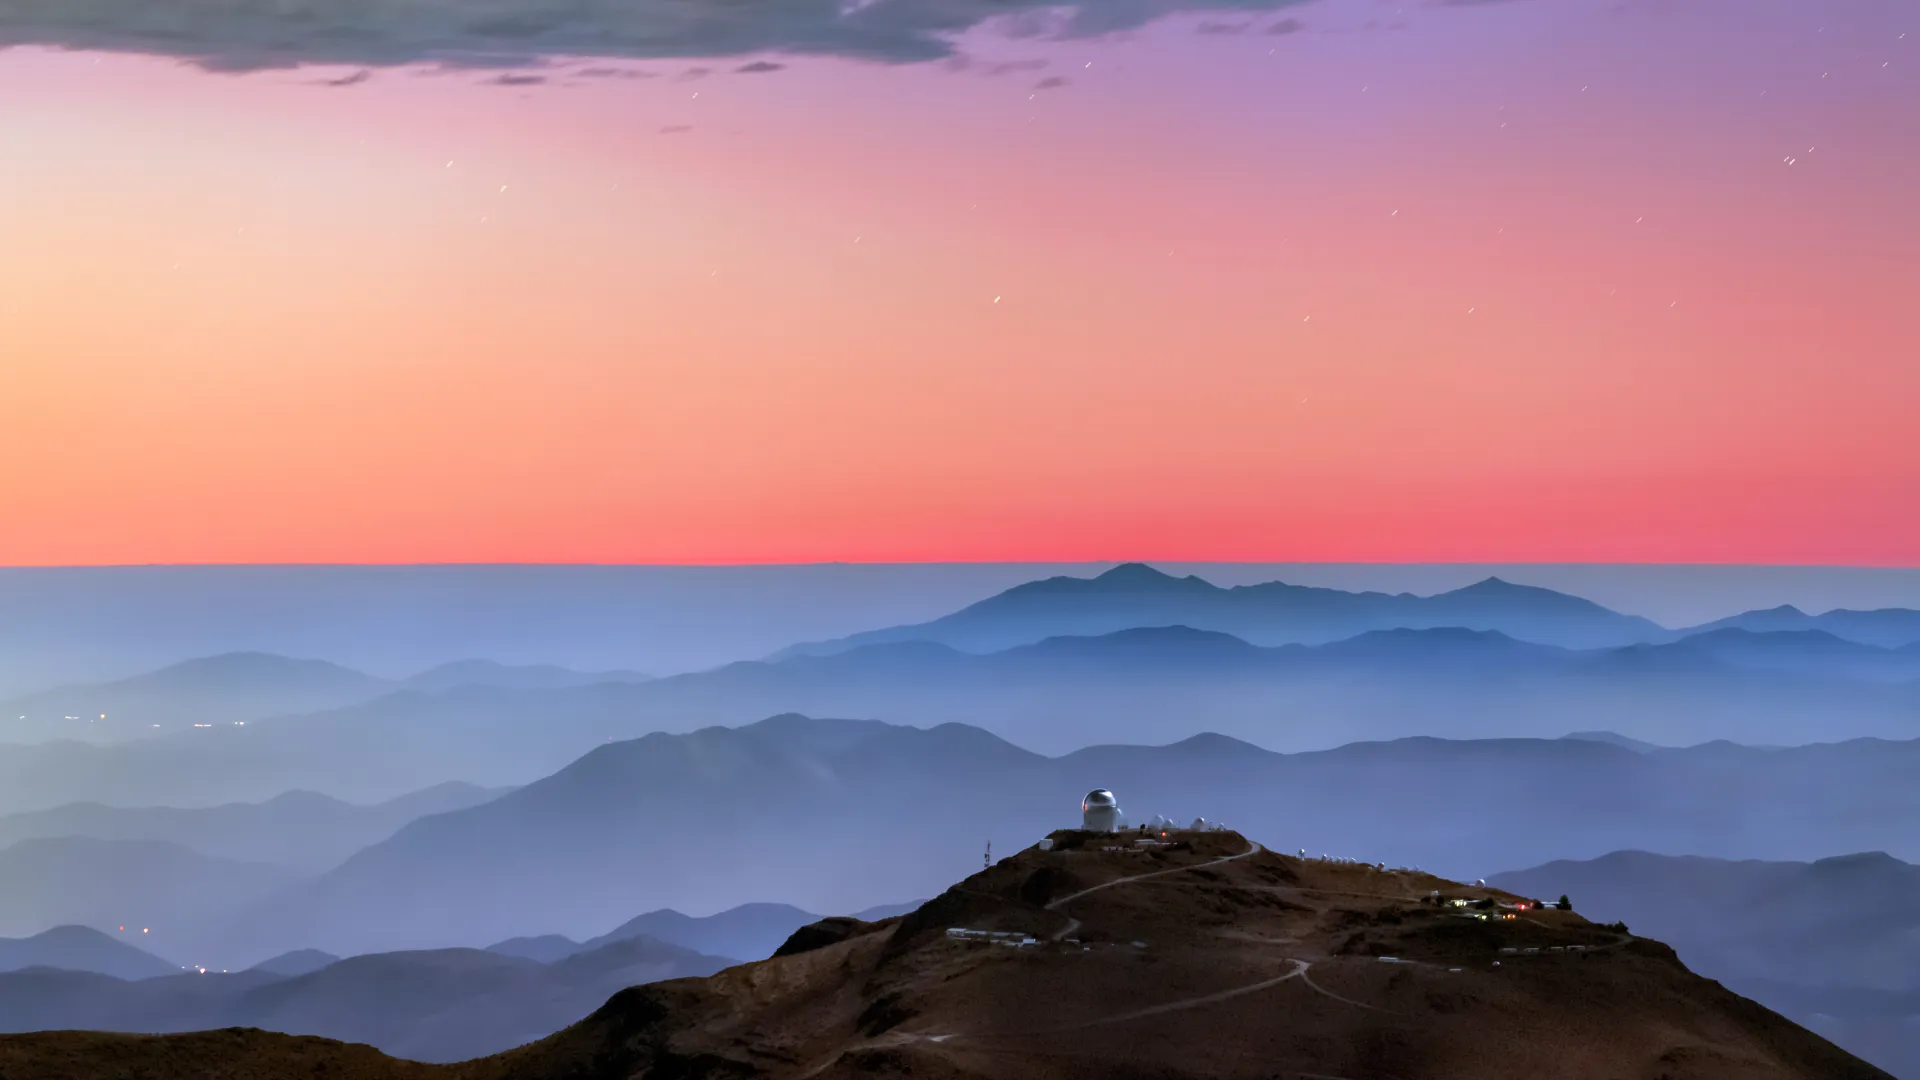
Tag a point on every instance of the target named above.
point(1205, 956)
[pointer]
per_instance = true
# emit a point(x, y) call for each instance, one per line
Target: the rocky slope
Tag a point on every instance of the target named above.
point(1206, 957)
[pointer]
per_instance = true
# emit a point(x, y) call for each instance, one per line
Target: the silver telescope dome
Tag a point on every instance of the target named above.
point(1098, 797)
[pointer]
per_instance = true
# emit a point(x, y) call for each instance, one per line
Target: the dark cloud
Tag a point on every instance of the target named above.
point(1286, 26)
point(759, 66)
point(249, 35)
point(1224, 28)
point(1007, 67)
point(615, 73)
point(1052, 82)
point(693, 73)
point(518, 80)
point(354, 79)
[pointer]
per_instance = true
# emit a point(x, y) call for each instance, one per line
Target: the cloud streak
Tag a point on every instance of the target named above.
point(354, 79)
point(222, 35)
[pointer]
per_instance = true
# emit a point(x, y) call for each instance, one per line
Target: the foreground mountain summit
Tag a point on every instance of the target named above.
point(1197, 955)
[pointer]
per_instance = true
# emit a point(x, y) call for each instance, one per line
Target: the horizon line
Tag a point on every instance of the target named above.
point(719, 564)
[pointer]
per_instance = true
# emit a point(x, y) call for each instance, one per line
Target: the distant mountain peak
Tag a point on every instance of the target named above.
point(1134, 571)
point(1613, 738)
point(1271, 613)
point(1158, 634)
point(251, 660)
point(1210, 742)
point(801, 723)
point(1432, 634)
point(296, 963)
point(1159, 642)
point(81, 948)
point(72, 933)
point(1126, 578)
point(1859, 862)
point(1495, 585)
point(1499, 594)
point(1135, 575)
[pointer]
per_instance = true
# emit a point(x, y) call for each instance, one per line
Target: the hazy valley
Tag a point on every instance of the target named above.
point(481, 839)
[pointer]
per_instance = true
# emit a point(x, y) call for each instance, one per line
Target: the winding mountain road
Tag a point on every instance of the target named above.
point(1073, 924)
point(1300, 971)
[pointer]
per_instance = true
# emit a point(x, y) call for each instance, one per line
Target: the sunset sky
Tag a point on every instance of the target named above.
point(1553, 280)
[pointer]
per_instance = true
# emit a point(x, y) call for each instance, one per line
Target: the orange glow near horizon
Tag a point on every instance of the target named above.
point(1202, 303)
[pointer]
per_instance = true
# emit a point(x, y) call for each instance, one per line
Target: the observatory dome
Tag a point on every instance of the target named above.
point(1100, 811)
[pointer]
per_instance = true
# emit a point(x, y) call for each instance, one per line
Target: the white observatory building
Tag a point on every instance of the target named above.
point(1100, 812)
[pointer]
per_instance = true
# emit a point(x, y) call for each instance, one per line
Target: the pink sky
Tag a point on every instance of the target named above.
point(1509, 281)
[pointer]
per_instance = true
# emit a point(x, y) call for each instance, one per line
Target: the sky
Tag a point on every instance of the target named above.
point(1336, 281)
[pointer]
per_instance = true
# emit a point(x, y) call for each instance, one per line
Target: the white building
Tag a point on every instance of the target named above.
point(1100, 812)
